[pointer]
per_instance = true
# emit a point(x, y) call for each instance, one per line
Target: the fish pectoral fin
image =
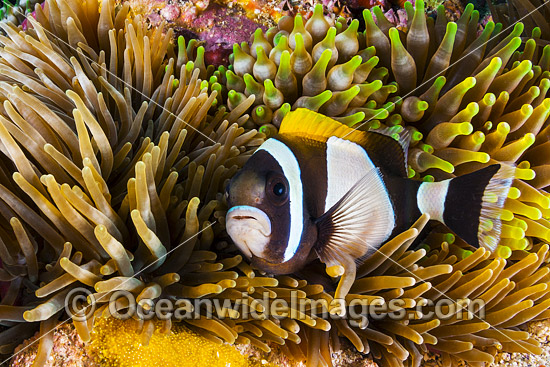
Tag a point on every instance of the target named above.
point(357, 224)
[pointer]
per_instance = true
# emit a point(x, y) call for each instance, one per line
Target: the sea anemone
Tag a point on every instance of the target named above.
point(531, 13)
point(113, 159)
point(314, 64)
point(16, 11)
point(466, 102)
point(115, 154)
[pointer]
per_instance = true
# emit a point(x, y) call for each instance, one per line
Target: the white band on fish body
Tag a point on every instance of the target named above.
point(291, 169)
point(347, 163)
point(431, 199)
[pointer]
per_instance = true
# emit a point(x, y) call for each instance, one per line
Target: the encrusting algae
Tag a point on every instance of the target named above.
point(116, 149)
point(118, 344)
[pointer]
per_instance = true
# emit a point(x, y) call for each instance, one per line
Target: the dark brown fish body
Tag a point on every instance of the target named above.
point(321, 189)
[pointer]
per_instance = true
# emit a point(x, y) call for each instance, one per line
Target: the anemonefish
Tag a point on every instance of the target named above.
point(322, 189)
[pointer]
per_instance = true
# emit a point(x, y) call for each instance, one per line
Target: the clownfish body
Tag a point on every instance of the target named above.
point(321, 189)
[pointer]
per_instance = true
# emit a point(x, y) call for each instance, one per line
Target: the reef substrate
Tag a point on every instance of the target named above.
point(217, 25)
point(117, 144)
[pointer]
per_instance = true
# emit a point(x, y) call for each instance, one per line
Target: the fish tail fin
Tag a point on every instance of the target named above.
point(470, 205)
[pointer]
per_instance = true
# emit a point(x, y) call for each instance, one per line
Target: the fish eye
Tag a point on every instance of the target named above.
point(279, 189)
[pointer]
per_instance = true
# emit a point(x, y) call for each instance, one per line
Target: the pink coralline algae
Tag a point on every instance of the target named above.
point(399, 17)
point(170, 12)
point(217, 25)
point(68, 350)
point(221, 28)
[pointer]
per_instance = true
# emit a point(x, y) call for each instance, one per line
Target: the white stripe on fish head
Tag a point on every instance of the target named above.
point(291, 169)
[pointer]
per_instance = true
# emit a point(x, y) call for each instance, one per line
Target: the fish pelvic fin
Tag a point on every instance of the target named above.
point(470, 205)
point(357, 224)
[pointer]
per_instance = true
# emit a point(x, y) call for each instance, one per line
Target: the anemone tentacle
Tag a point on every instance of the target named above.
point(117, 144)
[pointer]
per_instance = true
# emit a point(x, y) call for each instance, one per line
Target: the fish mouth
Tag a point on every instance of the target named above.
point(249, 228)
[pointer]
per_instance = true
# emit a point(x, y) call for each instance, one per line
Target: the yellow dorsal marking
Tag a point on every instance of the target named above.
point(312, 125)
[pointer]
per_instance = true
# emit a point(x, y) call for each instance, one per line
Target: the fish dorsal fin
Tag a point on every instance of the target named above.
point(403, 137)
point(384, 150)
point(312, 125)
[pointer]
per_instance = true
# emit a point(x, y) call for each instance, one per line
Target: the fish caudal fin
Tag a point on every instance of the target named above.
point(470, 205)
